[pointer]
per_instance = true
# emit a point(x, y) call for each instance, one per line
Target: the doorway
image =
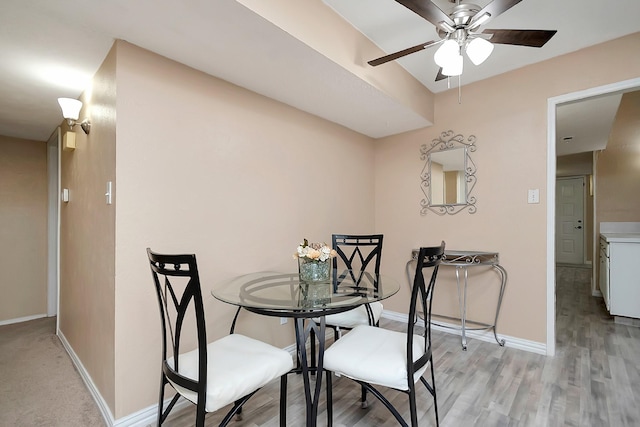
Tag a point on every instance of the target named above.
point(570, 220)
point(552, 104)
point(53, 224)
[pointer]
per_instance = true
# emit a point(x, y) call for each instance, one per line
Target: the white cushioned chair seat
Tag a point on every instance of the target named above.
point(237, 365)
point(374, 355)
point(352, 318)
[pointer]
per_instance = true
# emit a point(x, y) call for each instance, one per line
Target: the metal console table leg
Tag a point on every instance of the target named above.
point(462, 260)
point(503, 284)
point(462, 302)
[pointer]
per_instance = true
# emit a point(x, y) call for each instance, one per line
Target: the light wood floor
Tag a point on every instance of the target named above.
point(594, 380)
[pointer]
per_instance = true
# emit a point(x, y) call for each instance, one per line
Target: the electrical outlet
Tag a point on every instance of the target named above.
point(283, 320)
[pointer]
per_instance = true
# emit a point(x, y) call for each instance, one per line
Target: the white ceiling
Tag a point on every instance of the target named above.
point(585, 125)
point(51, 48)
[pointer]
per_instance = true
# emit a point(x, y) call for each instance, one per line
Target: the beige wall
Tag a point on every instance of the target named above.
point(87, 236)
point(507, 114)
point(207, 167)
point(618, 166)
point(575, 164)
point(23, 228)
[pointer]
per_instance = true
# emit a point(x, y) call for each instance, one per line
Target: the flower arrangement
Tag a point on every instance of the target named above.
point(314, 252)
point(313, 261)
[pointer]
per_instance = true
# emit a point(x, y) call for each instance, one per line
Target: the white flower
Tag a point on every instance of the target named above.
point(325, 253)
point(314, 251)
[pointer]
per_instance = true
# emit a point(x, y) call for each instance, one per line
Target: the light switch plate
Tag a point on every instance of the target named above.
point(533, 196)
point(108, 193)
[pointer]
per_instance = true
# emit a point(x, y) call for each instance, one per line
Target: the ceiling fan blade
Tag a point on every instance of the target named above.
point(531, 38)
point(428, 11)
point(493, 9)
point(440, 76)
point(400, 54)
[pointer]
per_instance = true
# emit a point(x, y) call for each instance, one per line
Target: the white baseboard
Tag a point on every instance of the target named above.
point(102, 405)
point(142, 418)
point(512, 342)
point(22, 319)
point(149, 415)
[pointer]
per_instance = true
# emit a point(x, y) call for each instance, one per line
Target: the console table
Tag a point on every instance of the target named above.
point(462, 261)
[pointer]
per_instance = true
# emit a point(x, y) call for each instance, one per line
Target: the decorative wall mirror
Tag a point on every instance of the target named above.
point(448, 175)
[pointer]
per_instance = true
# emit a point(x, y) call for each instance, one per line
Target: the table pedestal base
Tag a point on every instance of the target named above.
point(302, 334)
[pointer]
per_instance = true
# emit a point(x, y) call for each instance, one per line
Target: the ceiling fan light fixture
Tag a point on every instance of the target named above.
point(479, 50)
point(446, 53)
point(453, 67)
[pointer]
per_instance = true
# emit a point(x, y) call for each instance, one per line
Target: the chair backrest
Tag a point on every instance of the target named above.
point(360, 254)
point(428, 261)
point(180, 298)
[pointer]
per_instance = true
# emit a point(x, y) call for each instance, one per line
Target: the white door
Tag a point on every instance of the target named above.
point(570, 220)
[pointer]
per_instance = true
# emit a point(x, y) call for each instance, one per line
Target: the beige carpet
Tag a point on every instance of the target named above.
point(39, 386)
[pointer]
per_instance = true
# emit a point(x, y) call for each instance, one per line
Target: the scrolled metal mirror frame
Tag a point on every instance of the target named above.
point(447, 141)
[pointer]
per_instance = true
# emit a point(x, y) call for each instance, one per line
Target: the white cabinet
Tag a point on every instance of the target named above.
point(604, 271)
point(620, 273)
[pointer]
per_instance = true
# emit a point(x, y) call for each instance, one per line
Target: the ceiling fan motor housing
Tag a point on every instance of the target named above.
point(461, 15)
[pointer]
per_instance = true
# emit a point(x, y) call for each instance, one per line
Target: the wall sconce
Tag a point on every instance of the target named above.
point(71, 112)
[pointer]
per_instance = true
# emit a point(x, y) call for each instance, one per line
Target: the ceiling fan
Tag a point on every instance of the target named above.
point(459, 32)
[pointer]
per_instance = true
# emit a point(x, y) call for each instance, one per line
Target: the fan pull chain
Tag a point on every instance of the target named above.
point(459, 87)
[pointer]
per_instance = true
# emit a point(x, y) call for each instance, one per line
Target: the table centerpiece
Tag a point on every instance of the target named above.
point(314, 261)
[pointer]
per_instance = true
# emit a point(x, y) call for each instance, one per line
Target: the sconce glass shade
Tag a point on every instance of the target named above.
point(446, 53)
point(70, 108)
point(479, 50)
point(454, 67)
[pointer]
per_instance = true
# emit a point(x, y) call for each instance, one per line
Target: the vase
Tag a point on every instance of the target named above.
point(314, 271)
point(315, 294)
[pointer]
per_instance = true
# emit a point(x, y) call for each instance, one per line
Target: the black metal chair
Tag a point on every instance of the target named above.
point(360, 255)
point(357, 255)
point(377, 356)
point(213, 375)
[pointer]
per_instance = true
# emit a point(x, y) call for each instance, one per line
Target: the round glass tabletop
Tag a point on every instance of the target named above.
point(285, 292)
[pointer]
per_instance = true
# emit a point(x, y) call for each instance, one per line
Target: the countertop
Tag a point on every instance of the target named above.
point(621, 237)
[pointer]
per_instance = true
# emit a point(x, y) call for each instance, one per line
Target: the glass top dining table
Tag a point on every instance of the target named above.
point(285, 295)
point(273, 293)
